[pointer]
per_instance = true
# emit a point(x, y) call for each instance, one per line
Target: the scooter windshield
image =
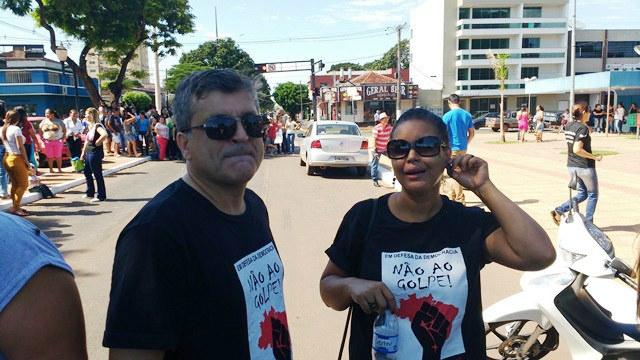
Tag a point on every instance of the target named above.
point(601, 238)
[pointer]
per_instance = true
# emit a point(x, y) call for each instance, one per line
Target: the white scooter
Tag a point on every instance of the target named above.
point(587, 298)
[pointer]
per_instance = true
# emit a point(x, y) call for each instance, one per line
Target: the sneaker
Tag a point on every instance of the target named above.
point(86, 196)
point(556, 217)
point(5, 197)
point(95, 199)
point(375, 183)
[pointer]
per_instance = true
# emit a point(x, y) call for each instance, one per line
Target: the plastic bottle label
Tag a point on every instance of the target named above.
point(385, 344)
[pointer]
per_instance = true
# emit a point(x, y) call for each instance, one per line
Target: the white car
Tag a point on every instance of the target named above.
point(334, 144)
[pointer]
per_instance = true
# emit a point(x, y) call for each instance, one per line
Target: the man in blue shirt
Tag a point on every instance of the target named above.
point(460, 127)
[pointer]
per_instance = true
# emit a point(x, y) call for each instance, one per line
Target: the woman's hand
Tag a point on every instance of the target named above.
point(469, 171)
point(598, 157)
point(372, 296)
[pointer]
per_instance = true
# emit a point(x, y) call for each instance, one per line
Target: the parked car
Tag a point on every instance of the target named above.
point(41, 157)
point(481, 121)
point(334, 144)
point(552, 118)
point(510, 121)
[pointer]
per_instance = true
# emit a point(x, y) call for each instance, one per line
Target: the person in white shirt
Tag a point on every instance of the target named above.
point(376, 117)
point(619, 118)
point(74, 132)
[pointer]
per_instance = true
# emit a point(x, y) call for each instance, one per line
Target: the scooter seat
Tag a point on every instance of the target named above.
point(594, 323)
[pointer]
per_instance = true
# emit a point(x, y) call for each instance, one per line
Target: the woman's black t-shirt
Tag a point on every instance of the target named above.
point(433, 270)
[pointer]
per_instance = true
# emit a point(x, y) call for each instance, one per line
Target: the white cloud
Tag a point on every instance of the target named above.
point(323, 19)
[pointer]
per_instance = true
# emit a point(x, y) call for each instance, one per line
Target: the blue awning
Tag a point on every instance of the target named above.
point(587, 83)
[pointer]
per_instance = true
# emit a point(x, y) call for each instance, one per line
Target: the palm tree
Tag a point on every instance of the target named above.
point(501, 71)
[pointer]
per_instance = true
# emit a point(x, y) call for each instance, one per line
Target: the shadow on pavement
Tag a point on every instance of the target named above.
point(343, 174)
point(129, 200)
point(128, 173)
point(629, 228)
point(63, 213)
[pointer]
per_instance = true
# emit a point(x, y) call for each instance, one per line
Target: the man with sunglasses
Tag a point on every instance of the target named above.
point(381, 135)
point(207, 284)
point(460, 127)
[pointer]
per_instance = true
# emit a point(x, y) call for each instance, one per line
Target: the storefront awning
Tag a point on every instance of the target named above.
point(587, 83)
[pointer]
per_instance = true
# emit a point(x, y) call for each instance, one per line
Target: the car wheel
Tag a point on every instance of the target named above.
point(362, 170)
point(311, 170)
point(302, 163)
point(477, 126)
point(506, 127)
point(495, 129)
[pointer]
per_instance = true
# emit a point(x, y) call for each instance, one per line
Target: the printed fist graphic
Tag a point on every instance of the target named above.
point(281, 340)
point(430, 327)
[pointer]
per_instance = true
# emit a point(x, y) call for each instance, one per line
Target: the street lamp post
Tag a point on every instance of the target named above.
point(533, 78)
point(61, 53)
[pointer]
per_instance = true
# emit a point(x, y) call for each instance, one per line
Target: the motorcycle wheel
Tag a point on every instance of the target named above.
point(500, 346)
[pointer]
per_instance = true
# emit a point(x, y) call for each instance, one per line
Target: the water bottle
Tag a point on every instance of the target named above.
point(385, 336)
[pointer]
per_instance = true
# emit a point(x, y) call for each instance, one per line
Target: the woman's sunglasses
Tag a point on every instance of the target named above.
point(224, 127)
point(427, 146)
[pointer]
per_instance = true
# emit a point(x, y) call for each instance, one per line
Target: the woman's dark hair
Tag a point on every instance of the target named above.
point(426, 116)
point(541, 107)
point(579, 109)
point(11, 118)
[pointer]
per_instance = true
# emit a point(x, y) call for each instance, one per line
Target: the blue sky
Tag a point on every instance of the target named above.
point(354, 30)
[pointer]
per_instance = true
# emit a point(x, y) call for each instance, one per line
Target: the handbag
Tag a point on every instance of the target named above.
point(372, 219)
point(78, 164)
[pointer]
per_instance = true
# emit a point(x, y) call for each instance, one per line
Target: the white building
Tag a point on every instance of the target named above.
point(450, 39)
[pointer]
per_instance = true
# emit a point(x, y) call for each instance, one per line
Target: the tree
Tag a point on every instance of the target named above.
point(501, 72)
point(131, 81)
point(289, 96)
point(179, 72)
point(139, 99)
point(346, 65)
point(221, 54)
point(388, 60)
point(115, 27)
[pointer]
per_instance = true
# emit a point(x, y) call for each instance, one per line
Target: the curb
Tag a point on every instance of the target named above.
point(32, 197)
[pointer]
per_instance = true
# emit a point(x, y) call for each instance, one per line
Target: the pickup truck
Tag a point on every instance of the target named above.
point(510, 121)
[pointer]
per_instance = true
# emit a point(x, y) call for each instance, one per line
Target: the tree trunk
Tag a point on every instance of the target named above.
point(502, 137)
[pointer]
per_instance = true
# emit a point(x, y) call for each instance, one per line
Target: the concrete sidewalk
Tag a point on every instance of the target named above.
point(534, 176)
point(59, 182)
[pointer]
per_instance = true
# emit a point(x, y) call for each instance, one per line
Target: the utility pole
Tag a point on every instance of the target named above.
point(398, 66)
point(157, 71)
point(313, 90)
point(300, 118)
point(572, 93)
point(216, 20)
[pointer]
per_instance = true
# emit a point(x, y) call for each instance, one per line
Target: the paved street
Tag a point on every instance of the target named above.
point(305, 213)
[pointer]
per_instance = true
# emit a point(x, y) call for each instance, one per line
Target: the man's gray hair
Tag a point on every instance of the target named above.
point(199, 84)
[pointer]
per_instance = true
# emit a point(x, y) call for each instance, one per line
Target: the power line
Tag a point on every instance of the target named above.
point(31, 31)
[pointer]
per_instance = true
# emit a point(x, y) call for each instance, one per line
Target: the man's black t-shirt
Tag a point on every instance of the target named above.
point(577, 131)
point(433, 270)
point(198, 283)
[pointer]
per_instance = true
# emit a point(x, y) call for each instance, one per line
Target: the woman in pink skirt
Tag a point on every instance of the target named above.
point(53, 130)
point(163, 137)
point(523, 122)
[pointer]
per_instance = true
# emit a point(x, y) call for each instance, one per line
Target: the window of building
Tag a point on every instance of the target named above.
point(491, 13)
point(524, 101)
point(529, 72)
point(531, 43)
point(622, 49)
point(532, 12)
point(54, 78)
point(18, 77)
point(463, 44)
point(482, 74)
point(589, 49)
point(464, 13)
point(490, 43)
point(463, 74)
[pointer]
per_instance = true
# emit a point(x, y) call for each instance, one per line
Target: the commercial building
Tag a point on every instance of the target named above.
point(28, 79)
point(449, 51)
point(604, 50)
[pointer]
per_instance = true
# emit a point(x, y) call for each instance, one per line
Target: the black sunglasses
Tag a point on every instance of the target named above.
point(427, 146)
point(224, 127)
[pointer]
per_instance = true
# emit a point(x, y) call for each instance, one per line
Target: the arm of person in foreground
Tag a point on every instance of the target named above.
point(471, 133)
point(103, 135)
point(34, 139)
point(338, 291)
point(44, 320)
point(578, 149)
point(520, 242)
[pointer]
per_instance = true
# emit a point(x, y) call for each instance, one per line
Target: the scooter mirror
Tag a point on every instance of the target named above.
point(620, 266)
point(573, 183)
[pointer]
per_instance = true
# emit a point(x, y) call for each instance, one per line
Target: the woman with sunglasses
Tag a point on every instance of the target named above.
point(419, 255)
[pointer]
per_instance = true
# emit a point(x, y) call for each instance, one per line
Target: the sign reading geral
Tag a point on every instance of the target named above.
point(388, 92)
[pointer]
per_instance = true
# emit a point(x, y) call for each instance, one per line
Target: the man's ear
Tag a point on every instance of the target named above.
point(183, 140)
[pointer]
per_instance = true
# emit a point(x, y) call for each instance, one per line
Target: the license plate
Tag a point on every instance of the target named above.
point(341, 158)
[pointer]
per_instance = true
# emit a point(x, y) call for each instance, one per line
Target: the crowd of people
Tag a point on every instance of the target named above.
point(89, 136)
point(280, 133)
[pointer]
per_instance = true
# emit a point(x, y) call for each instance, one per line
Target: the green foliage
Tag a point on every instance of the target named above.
point(116, 28)
point(388, 60)
point(179, 72)
point(346, 65)
point(139, 99)
point(220, 54)
point(127, 84)
point(289, 96)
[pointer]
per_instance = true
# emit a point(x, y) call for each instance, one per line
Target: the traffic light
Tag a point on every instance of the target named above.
point(320, 65)
point(261, 68)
